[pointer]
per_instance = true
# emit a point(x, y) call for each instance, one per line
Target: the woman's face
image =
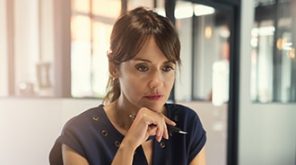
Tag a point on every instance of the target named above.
point(147, 79)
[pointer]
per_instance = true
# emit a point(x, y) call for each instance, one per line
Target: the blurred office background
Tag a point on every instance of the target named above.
point(238, 73)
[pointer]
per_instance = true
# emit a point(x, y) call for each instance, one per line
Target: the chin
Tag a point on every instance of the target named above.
point(156, 108)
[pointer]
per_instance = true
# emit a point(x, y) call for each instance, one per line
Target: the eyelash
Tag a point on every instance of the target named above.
point(168, 68)
point(144, 68)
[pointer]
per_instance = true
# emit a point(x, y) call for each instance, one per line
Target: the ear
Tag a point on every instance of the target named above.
point(113, 70)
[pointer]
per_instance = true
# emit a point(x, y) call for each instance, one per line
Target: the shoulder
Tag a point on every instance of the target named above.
point(180, 107)
point(77, 133)
point(83, 119)
point(187, 120)
point(80, 130)
point(185, 117)
point(181, 111)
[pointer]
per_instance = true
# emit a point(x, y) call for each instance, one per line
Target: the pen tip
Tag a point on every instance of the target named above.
point(183, 132)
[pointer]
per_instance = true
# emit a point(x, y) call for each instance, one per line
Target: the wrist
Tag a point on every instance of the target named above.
point(124, 155)
point(127, 146)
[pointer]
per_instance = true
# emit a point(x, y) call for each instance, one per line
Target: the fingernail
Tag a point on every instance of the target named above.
point(158, 139)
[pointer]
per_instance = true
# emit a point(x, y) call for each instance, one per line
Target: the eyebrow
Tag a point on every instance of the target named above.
point(142, 59)
point(146, 60)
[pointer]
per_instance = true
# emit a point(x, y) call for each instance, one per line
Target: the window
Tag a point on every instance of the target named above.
point(273, 60)
point(26, 49)
point(204, 33)
point(91, 26)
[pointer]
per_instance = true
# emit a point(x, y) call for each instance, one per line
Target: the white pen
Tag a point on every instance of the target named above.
point(173, 129)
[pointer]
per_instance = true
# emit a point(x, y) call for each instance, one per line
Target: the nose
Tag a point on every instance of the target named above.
point(156, 80)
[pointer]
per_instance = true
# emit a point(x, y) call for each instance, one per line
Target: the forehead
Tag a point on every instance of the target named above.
point(150, 51)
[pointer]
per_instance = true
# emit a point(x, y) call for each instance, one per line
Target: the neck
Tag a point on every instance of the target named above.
point(124, 106)
point(124, 113)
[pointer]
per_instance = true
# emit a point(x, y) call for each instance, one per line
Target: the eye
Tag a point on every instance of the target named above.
point(168, 68)
point(142, 67)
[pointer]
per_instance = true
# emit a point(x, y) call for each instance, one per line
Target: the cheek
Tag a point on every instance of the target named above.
point(131, 85)
point(170, 79)
point(169, 86)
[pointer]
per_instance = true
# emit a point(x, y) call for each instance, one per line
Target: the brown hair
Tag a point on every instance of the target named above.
point(130, 32)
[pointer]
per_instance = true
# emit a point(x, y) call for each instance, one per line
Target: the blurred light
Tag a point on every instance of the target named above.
point(254, 42)
point(292, 53)
point(287, 45)
point(263, 31)
point(203, 10)
point(283, 44)
point(183, 10)
point(208, 32)
point(280, 43)
point(224, 32)
point(187, 9)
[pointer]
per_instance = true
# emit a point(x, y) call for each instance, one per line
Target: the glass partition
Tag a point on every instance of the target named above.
point(273, 73)
point(266, 128)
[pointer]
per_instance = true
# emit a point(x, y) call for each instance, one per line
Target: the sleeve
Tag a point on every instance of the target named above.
point(72, 137)
point(197, 137)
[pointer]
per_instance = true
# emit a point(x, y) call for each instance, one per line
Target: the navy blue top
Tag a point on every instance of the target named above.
point(92, 135)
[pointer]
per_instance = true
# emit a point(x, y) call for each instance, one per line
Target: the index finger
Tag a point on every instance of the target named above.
point(169, 121)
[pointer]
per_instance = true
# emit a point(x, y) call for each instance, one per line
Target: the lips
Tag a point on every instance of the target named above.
point(154, 97)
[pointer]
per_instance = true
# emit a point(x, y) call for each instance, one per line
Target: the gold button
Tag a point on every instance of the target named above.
point(96, 118)
point(117, 143)
point(104, 132)
point(162, 145)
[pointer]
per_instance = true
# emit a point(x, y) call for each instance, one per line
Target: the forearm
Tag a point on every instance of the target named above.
point(199, 159)
point(124, 155)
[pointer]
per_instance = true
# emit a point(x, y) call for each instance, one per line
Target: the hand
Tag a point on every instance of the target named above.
point(147, 123)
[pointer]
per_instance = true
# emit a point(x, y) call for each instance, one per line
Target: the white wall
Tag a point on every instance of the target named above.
point(29, 127)
point(267, 132)
point(3, 49)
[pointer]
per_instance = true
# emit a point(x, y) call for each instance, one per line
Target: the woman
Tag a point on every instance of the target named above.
point(134, 124)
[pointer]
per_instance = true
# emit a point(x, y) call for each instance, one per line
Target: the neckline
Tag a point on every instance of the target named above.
point(108, 123)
